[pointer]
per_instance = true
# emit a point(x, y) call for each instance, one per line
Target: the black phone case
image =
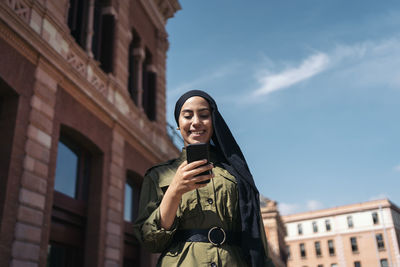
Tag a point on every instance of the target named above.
point(198, 151)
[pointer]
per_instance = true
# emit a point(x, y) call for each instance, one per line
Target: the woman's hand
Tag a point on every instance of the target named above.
point(185, 180)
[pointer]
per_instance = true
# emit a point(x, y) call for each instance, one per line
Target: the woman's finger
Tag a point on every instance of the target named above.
point(198, 170)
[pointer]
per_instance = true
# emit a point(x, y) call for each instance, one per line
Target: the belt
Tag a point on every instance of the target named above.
point(216, 236)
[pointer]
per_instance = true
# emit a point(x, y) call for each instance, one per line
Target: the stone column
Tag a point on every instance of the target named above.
point(89, 29)
point(139, 56)
point(115, 222)
point(27, 243)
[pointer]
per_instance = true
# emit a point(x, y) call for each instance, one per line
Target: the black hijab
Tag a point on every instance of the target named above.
point(249, 201)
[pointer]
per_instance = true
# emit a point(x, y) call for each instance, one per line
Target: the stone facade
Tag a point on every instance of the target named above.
point(275, 231)
point(53, 85)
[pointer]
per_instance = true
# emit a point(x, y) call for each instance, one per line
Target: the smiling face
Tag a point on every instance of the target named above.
point(195, 121)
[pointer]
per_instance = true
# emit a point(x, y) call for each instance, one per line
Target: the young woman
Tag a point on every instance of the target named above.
point(212, 224)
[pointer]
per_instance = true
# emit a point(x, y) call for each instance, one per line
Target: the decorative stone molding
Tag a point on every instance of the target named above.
point(76, 62)
point(20, 8)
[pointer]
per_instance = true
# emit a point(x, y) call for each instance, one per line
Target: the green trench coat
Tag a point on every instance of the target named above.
point(213, 205)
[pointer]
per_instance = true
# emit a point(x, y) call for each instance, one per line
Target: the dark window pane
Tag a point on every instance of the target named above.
point(317, 248)
point(128, 203)
point(300, 229)
point(384, 263)
point(63, 256)
point(66, 170)
point(331, 247)
point(353, 242)
point(379, 241)
point(375, 218)
point(350, 222)
point(302, 250)
point(315, 227)
point(357, 264)
point(328, 225)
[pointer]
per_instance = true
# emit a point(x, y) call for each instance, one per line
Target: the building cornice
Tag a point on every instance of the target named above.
point(160, 10)
point(340, 210)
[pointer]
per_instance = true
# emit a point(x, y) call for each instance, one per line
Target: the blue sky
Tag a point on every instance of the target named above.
point(310, 90)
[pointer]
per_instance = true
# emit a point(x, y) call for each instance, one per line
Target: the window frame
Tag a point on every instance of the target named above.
point(317, 246)
point(303, 253)
point(350, 223)
point(375, 218)
point(331, 248)
point(299, 229)
point(353, 244)
point(380, 242)
point(328, 226)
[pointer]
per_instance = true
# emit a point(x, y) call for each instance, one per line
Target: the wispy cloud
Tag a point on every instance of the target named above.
point(310, 67)
point(314, 205)
point(287, 208)
point(291, 208)
point(397, 168)
point(350, 64)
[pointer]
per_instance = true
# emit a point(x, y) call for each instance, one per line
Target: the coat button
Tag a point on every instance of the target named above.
point(213, 264)
point(210, 201)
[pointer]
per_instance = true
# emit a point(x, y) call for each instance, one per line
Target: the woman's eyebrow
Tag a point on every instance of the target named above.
point(190, 110)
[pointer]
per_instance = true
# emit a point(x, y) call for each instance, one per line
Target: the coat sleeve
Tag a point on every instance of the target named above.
point(147, 227)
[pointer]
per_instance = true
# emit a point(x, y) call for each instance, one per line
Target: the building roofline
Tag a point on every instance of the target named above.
point(338, 210)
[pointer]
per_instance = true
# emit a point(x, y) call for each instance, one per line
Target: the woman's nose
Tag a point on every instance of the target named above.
point(196, 120)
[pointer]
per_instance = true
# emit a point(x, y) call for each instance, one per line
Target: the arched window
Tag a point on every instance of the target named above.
point(77, 162)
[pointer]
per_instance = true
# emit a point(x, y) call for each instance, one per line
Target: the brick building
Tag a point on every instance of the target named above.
point(275, 231)
point(358, 235)
point(82, 116)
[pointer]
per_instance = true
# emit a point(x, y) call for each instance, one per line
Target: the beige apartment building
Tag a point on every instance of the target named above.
point(358, 235)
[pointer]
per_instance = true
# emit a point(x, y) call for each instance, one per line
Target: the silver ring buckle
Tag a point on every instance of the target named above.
point(216, 236)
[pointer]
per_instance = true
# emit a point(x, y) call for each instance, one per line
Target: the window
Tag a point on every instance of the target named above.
point(320, 265)
point(9, 103)
point(379, 241)
point(384, 263)
point(78, 19)
point(72, 168)
point(375, 218)
point(288, 252)
point(149, 87)
point(353, 242)
point(299, 229)
point(60, 255)
point(135, 58)
point(69, 216)
point(131, 207)
point(103, 37)
point(357, 264)
point(327, 225)
point(333, 265)
point(315, 227)
point(350, 222)
point(331, 248)
point(317, 248)
point(302, 250)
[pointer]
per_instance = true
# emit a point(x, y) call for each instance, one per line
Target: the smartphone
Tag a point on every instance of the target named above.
point(198, 151)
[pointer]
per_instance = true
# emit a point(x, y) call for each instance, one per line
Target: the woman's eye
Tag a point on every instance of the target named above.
point(204, 116)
